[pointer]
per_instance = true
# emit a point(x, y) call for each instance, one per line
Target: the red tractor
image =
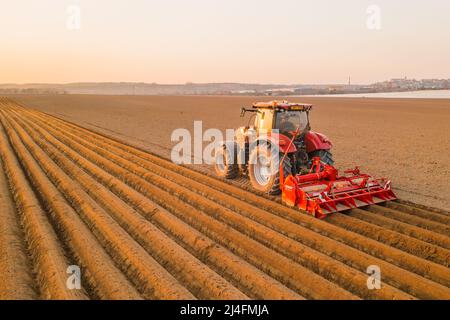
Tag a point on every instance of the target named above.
point(280, 154)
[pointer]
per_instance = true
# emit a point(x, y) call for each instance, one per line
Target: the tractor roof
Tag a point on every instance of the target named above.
point(283, 105)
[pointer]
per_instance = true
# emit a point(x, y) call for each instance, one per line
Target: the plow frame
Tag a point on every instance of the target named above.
point(358, 189)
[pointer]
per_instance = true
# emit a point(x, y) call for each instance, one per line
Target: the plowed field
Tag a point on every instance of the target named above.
point(140, 227)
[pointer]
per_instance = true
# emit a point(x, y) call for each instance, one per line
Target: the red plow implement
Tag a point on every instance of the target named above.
point(322, 191)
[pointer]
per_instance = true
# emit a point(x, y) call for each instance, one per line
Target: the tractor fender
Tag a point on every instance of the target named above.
point(317, 141)
point(278, 140)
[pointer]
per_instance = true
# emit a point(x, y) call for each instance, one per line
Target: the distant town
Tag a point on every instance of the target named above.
point(393, 85)
point(128, 88)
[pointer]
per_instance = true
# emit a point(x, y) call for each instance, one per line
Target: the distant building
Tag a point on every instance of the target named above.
point(404, 84)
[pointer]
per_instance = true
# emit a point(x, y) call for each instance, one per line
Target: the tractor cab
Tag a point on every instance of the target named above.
point(280, 115)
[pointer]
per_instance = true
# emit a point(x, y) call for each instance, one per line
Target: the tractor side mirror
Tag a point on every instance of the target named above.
point(244, 111)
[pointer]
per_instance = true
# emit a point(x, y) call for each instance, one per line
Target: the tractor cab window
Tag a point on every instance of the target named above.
point(288, 121)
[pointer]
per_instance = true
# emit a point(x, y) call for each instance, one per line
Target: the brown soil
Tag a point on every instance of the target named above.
point(407, 140)
point(15, 280)
point(164, 231)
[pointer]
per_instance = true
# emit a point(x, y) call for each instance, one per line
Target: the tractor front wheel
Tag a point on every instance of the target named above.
point(225, 164)
point(263, 170)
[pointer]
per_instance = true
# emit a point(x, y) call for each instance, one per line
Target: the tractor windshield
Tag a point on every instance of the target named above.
point(288, 121)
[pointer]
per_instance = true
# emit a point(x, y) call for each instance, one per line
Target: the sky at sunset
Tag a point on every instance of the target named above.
point(178, 41)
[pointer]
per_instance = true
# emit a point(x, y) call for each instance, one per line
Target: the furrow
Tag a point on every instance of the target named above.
point(201, 280)
point(48, 257)
point(309, 279)
point(151, 278)
point(420, 206)
point(241, 220)
point(16, 281)
point(419, 212)
point(234, 268)
point(411, 219)
point(443, 271)
point(106, 280)
point(434, 238)
point(394, 239)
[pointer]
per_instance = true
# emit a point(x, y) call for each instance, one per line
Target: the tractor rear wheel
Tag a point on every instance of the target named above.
point(325, 156)
point(225, 164)
point(263, 170)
